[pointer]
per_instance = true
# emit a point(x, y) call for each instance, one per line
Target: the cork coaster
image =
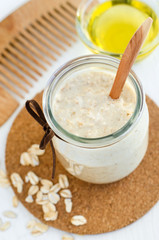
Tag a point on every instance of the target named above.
point(106, 207)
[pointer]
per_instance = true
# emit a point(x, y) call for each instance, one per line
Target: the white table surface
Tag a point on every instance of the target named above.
point(146, 228)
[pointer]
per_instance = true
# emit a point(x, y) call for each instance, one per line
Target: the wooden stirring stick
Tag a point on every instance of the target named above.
point(129, 57)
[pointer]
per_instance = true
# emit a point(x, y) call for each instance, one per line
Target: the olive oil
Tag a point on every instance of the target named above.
point(112, 24)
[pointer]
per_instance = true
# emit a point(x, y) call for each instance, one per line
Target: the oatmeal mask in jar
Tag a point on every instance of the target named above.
point(98, 139)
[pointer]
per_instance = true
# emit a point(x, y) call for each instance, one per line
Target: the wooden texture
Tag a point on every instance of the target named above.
point(31, 39)
point(7, 84)
point(129, 56)
point(30, 12)
point(107, 207)
point(5, 112)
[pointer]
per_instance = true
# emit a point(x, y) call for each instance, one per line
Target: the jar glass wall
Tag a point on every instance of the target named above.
point(108, 158)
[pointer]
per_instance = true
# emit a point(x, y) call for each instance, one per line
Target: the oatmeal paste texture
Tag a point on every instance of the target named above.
point(83, 107)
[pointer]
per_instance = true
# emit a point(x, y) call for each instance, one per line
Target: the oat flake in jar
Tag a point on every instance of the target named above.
point(98, 139)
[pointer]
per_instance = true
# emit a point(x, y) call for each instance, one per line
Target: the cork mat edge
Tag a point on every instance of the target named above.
point(106, 216)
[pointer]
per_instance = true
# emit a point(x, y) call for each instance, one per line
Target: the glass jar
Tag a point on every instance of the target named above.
point(108, 158)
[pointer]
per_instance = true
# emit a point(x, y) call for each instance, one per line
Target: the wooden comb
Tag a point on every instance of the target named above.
point(31, 38)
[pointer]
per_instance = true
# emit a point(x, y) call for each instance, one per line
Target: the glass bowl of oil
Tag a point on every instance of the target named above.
point(106, 26)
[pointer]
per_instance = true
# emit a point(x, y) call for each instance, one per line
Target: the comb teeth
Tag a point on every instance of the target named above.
point(42, 39)
point(31, 50)
point(37, 45)
point(12, 69)
point(5, 97)
point(62, 20)
point(14, 53)
point(10, 76)
point(23, 51)
point(4, 81)
point(43, 30)
point(71, 6)
point(65, 15)
point(10, 58)
point(57, 35)
point(58, 26)
point(69, 10)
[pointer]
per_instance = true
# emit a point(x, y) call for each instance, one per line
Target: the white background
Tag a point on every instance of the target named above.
point(146, 228)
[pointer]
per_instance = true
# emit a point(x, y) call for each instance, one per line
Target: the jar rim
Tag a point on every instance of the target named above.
point(91, 142)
